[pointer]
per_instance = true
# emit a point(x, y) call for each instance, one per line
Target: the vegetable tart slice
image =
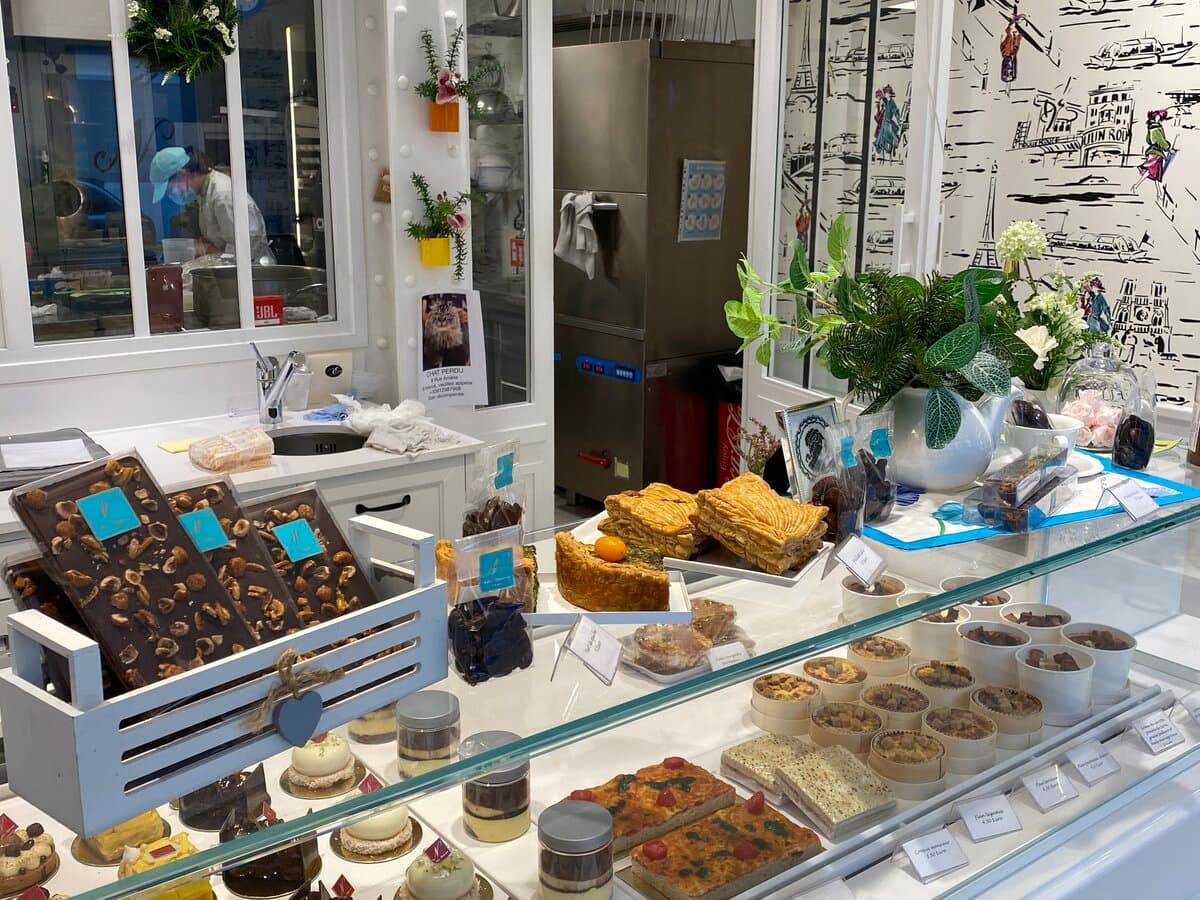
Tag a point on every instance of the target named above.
point(638, 582)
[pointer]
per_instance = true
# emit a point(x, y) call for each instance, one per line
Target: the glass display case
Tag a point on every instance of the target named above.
point(1063, 591)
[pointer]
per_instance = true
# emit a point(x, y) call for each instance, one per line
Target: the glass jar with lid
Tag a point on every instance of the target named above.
point(1095, 390)
point(575, 838)
point(427, 731)
point(496, 803)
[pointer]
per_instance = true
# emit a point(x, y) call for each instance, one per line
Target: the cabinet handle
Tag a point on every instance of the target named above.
point(387, 507)
point(602, 461)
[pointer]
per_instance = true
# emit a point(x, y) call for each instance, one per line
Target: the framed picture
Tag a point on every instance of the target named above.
point(804, 441)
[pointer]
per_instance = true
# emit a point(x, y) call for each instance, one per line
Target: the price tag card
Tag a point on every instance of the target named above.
point(1158, 732)
point(864, 563)
point(989, 817)
point(108, 513)
point(496, 571)
point(298, 540)
point(1093, 762)
point(598, 650)
point(1049, 787)
point(1133, 499)
point(727, 655)
point(934, 854)
point(830, 890)
point(1192, 704)
point(204, 528)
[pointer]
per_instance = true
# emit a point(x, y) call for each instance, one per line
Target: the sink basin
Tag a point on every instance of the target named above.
point(317, 441)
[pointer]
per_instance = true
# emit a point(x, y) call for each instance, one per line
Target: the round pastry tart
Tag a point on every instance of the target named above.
point(899, 705)
point(882, 657)
point(784, 694)
point(845, 725)
point(28, 859)
point(839, 679)
point(1017, 714)
point(910, 760)
point(969, 738)
point(945, 683)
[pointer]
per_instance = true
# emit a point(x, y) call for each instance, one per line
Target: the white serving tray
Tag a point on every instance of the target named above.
point(629, 659)
point(554, 610)
point(93, 763)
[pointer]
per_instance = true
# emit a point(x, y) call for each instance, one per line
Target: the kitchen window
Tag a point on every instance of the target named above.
point(158, 213)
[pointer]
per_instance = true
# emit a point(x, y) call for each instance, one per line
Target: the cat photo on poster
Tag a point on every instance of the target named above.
point(452, 365)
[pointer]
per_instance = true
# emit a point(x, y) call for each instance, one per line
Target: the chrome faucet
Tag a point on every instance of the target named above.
point(273, 381)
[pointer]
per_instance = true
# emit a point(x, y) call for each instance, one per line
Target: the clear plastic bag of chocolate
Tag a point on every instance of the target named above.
point(842, 485)
point(495, 499)
point(1133, 443)
point(873, 438)
point(489, 636)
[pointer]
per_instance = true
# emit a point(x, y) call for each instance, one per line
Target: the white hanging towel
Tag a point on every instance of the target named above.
point(577, 243)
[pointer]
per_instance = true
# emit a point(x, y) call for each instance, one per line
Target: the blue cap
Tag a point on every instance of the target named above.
point(163, 168)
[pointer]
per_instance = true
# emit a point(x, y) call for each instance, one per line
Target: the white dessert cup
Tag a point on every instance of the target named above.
point(1038, 634)
point(991, 664)
point(1066, 696)
point(979, 612)
point(1110, 676)
point(936, 640)
point(857, 605)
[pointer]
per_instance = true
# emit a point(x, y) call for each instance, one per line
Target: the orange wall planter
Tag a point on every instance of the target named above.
point(443, 116)
point(435, 251)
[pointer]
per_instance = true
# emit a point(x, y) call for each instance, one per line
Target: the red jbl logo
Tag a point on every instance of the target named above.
point(268, 310)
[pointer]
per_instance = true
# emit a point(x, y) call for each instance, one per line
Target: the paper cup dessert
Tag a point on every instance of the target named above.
point(911, 763)
point(781, 703)
point(988, 649)
point(983, 608)
point(1112, 653)
point(944, 683)
point(859, 602)
point(1017, 714)
point(969, 738)
point(1061, 677)
point(844, 725)
point(904, 632)
point(934, 636)
point(839, 679)
point(1043, 623)
point(900, 706)
point(883, 658)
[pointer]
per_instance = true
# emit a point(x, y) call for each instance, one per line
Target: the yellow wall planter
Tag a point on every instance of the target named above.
point(435, 251)
point(443, 116)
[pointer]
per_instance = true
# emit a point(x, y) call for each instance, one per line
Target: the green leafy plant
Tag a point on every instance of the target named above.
point(445, 83)
point(883, 333)
point(182, 37)
point(443, 219)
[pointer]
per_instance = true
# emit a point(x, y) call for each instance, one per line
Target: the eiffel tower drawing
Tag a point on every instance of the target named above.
point(804, 89)
point(985, 251)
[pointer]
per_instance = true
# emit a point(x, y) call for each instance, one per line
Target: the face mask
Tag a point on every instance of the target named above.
point(181, 195)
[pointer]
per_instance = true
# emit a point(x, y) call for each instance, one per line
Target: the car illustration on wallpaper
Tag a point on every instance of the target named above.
point(1139, 52)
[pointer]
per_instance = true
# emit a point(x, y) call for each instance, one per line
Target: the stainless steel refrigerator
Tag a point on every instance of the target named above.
point(636, 347)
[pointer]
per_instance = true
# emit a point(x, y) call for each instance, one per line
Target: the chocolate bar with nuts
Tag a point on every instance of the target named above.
point(151, 601)
point(1019, 480)
point(244, 565)
point(326, 584)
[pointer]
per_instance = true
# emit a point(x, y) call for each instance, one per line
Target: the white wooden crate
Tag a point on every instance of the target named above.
point(93, 763)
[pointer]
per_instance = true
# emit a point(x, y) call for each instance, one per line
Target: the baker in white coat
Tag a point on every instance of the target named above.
point(190, 178)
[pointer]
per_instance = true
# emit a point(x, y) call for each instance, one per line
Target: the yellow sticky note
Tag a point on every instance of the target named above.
point(176, 446)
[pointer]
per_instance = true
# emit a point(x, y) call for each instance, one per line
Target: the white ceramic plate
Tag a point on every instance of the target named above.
point(553, 609)
point(629, 658)
point(1086, 465)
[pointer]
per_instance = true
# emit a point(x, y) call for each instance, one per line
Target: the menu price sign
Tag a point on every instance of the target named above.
point(989, 817)
point(864, 563)
point(934, 854)
point(1158, 732)
point(1049, 787)
point(727, 655)
point(1093, 762)
point(1133, 499)
point(1192, 704)
point(598, 650)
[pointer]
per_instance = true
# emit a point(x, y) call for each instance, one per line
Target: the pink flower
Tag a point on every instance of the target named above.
point(447, 92)
point(457, 221)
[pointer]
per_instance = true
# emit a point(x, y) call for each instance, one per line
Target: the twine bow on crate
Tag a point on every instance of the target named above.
point(292, 705)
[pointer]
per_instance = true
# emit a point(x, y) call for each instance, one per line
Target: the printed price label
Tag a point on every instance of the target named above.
point(1093, 762)
point(934, 854)
point(496, 570)
point(298, 540)
point(108, 513)
point(1049, 787)
point(989, 817)
point(204, 528)
point(830, 890)
point(1133, 499)
point(1158, 732)
point(504, 471)
point(727, 655)
point(864, 563)
point(598, 650)
point(1192, 704)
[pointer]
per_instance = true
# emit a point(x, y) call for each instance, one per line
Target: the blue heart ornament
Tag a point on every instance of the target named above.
point(297, 718)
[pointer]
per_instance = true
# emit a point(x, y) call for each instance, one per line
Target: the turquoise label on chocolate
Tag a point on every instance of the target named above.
point(848, 460)
point(496, 571)
point(504, 471)
point(881, 444)
point(204, 528)
point(298, 540)
point(108, 513)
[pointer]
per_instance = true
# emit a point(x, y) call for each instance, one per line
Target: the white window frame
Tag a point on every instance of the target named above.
point(21, 360)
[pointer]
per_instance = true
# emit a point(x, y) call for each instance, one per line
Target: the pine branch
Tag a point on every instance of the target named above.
point(431, 62)
point(453, 51)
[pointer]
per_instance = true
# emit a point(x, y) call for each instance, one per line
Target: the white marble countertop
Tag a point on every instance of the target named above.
point(171, 468)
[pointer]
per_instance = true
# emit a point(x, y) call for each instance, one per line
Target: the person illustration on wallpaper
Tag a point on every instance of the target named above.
point(888, 126)
point(1095, 306)
point(1159, 151)
point(1010, 46)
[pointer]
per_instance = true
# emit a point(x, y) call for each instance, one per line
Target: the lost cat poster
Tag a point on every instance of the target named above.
point(453, 368)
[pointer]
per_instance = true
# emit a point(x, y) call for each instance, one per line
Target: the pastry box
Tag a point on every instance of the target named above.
point(963, 733)
point(844, 725)
point(839, 679)
point(1016, 713)
point(899, 705)
point(1016, 482)
point(908, 758)
point(984, 506)
point(944, 683)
